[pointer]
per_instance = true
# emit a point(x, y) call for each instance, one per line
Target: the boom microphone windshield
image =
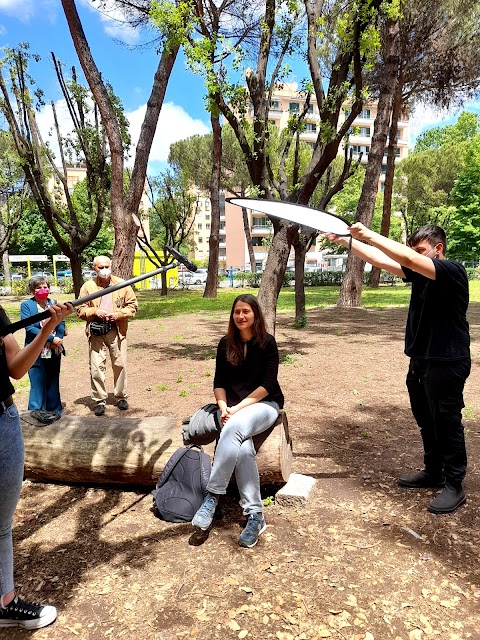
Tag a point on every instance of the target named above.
point(181, 258)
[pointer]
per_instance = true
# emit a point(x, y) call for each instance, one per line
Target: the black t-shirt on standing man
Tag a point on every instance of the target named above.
point(437, 327)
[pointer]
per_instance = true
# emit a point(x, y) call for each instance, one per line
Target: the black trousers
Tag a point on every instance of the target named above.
point(436, 398)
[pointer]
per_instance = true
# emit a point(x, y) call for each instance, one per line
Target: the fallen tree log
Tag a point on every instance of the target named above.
point(129, 451)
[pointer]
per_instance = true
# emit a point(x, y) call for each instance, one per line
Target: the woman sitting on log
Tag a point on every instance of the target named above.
point(14, 363)
point(249, 397)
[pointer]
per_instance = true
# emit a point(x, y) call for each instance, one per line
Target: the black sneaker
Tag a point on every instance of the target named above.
point(26, 615)
point(448, 500)
point(421, 480)
point(122, 404)
point(100, 409)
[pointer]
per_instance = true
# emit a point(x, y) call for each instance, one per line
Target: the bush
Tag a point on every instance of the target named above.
point(473, 273)
point(288, 278)
point(252, 279)
point(67, 285)
point(20, 287)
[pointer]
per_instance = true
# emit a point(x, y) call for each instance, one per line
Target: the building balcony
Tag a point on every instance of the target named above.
point(261, 230)
point(222, 244)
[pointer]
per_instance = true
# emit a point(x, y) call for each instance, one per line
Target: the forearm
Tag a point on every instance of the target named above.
point(373, 255)
point(221, 397)
point(256, 396)
point(21, 360)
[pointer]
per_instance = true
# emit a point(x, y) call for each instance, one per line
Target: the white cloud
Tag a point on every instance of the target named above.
point(113, 20)
point(425, 117)
point(25, 10)
point(174, 124)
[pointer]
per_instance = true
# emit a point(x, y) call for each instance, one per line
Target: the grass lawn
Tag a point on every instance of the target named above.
point(152, 305)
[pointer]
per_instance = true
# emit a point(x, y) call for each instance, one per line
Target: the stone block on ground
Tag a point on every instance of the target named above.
point(296, 491)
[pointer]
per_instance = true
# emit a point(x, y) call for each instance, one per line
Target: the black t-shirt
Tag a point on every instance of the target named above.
point(6, 386)
point(437, 327)
point(258, 369)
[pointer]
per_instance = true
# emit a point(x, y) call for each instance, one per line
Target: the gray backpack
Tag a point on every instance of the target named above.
point(182, 485)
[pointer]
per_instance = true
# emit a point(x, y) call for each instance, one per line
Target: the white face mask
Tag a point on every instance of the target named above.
point(105, 272)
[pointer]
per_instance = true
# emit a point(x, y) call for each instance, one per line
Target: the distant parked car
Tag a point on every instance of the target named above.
point(46, 274)
point(16, 276)
point(189, 277)
point(88, 274)
point(64, 273)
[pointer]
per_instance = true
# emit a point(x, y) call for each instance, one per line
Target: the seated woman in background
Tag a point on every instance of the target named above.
point(45, 372)
point(249, 397)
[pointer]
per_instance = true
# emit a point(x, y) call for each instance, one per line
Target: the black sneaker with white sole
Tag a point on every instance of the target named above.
point(26, 615)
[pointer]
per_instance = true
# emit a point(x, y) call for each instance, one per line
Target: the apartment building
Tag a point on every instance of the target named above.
point(202, 227)
point(285, 102)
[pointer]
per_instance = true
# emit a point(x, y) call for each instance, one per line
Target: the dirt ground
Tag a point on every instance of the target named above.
point(363, 560)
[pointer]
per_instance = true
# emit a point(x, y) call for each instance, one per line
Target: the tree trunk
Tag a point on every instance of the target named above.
point(248, 238)
point(352, 283)
point(212, 277)
point(374, 279)
point(122, 206)
point(6, 267)
point(76, 265)
point(300, 253)
point(129, 451)
point(272, 278)
point(163, 284)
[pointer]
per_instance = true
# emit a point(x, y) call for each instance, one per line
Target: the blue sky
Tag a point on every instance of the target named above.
point(130, 71)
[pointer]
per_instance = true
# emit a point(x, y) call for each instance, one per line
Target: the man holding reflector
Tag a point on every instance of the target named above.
point(437, 341)
point(437, 338)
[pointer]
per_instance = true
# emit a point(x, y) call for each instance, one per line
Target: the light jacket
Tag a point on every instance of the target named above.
point(124, 303)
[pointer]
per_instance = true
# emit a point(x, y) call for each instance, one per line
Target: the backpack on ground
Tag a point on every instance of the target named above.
point(182, 484)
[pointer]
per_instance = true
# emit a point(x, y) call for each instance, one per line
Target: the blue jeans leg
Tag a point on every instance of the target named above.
point(235, 452)
point(11, 477)
point(45, 385)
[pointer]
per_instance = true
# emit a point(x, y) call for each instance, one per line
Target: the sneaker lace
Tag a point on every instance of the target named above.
point(253, 523)
point(207, 506)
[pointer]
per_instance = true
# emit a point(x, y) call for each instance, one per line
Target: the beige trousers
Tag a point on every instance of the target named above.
point(98, 348)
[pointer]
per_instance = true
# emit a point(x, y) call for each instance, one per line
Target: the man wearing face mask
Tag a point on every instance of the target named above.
point(107, 324)
point(437, 341)
point(45, 372)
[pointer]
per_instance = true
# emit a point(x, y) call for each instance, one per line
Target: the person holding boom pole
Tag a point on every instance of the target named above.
point(14, 363)
point(437, 341)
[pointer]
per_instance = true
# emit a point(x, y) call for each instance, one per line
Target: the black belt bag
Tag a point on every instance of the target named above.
point(98, 328)
point(5, 404)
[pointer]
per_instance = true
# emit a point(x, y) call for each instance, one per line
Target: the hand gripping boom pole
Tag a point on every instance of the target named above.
point(21, 324)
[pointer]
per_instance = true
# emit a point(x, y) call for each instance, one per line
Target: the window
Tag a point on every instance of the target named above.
point(310, 108)
point(274, 104)
point(360, 148)
point(311, 127)
point(207, 216)
point(207, 204)
point(364, 131)
point(199, 226)
point(294, 107)
point(200, 240)
point(257, 242)
point(207, 227)
point(397, 152)
point(384, 169)
point(364, 115)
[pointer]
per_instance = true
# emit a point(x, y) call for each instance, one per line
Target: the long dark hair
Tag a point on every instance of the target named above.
point(234, 341)
point(1, 337)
